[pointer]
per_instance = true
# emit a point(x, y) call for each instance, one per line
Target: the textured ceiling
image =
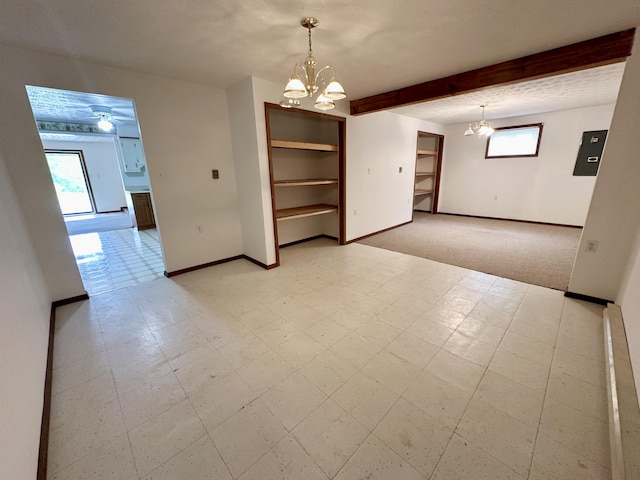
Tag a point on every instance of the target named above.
point(596, 86)
point(374, 45)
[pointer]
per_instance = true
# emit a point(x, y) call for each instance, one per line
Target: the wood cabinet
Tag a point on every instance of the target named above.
point(427, 172)
point(144, 210)
point(307, 169)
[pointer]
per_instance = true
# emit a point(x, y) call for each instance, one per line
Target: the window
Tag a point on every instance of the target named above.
point(518, 141)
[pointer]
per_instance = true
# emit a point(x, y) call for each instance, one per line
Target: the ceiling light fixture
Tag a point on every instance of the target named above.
point(482, 128)
point(304, 80)
point(104, 115)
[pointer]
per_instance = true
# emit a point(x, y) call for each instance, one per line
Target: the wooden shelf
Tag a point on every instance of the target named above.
point(305, 182)
point(420, 191)
point(319, 147)
point(427, 152)
point(306, 211)
point(425, 174)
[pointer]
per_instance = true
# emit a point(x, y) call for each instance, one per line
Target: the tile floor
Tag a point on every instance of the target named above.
point(346, 362)
point(116, 259)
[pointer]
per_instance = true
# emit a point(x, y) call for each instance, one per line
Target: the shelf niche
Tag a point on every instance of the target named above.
point(427, 173)
point(307, 171)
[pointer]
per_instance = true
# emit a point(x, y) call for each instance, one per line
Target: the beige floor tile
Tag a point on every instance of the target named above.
point(438, 398)
point(417, 437)
point(328, 371)
point(456, 370)
point(241, 351)
point(497, 302)
point(286, 461)
point(222, 334)
point(327, 332)
point(246, 436)
point(520, 369)
point(404, 311)
point(456, 304)
point(277, 332)
point(303, 317)
point(293, 399)
point(579, 366)
point(113, 461)
point(553, 460)
point(429, 331)
point(526, 347)
point(464, 461)
point(491, 316)
point(534, 329)
point(500, 435)
point(142, 371)
point(188, 350)
point(378, 332)
point(350, 318)
point(199, 374)
point(84, 434)
point(470, 348)
point(364, 398)
point(258, 317)
point(481, 330)
point(223, 397)
point(82, 398)
point(299, 350)
point(165, 435)
point(356, 349)
point(199, 461)
point(587, 346)
point(265, 371)
point(511, 397)
point(330, 436)
point(443, 316)
point(80, 371)
point(145, 402)
point(576, 430)
point(391, 371)
point(579, 395)
point(413, 349)
point(375, 461)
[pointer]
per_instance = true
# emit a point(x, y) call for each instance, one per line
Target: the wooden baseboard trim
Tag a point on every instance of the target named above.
point(43, 451)
point(201, 266)
point(304, 240)
point(510, 220)
point(587, 298)
point(379, 231)
point(260, 264)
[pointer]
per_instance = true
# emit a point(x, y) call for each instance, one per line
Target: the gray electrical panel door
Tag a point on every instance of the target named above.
point(590, 153)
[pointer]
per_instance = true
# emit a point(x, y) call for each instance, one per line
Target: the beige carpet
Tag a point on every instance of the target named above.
point(532, 253)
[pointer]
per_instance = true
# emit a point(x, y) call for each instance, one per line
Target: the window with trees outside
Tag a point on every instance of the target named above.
point(517, 141)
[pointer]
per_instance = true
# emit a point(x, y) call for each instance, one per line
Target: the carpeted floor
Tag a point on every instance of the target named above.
point(532, 253)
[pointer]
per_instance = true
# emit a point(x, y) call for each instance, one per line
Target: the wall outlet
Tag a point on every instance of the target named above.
point(399, 169)
point(199, 229)
point(215, 174)
point(591, 246)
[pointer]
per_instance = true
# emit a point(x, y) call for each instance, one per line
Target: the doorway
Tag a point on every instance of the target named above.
point(69, 175)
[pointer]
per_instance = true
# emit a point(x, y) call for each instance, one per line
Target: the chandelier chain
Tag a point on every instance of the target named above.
point(310, 51)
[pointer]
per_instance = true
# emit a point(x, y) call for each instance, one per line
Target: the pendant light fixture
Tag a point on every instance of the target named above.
point(305, 82)
point(104, 116)
point(482, 128)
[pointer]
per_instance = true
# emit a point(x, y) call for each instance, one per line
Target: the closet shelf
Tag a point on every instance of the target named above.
point(305, 211)
point(419, 192)
point(319, 147)
point(305, 182)
point(425, 174)
point(427, 152)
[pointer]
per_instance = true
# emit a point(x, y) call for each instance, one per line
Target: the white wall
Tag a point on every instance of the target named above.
point(24, 323)
point(186, 133)
point(540, 189)
point(102, 169)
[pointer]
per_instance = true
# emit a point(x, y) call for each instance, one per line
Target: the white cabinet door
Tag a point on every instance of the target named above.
point(132, 154)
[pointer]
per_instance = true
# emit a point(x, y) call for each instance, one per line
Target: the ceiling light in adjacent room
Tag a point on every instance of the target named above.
point(482, 128)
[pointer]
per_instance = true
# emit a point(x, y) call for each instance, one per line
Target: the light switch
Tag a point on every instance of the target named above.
point(215, 174)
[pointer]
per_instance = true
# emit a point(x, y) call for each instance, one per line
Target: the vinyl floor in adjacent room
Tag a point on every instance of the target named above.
point(346, 362)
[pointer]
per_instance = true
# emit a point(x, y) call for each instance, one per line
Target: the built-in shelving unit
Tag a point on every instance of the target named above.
point(427, 173)
point(307, 167)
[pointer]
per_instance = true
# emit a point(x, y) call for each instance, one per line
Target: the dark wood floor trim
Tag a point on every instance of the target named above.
point(376, 233)
point(43, 453)
point(605, 50)
point(201, 266)
point(304, 240)
point(260, 264)
point(587, 298)
point(511, 220)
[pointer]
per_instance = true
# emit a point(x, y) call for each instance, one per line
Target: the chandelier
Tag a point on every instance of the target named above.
point(104, 115)
point(482, 128)
point(305, 82)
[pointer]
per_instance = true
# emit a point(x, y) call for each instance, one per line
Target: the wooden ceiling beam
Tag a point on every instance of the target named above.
point(596, 52)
